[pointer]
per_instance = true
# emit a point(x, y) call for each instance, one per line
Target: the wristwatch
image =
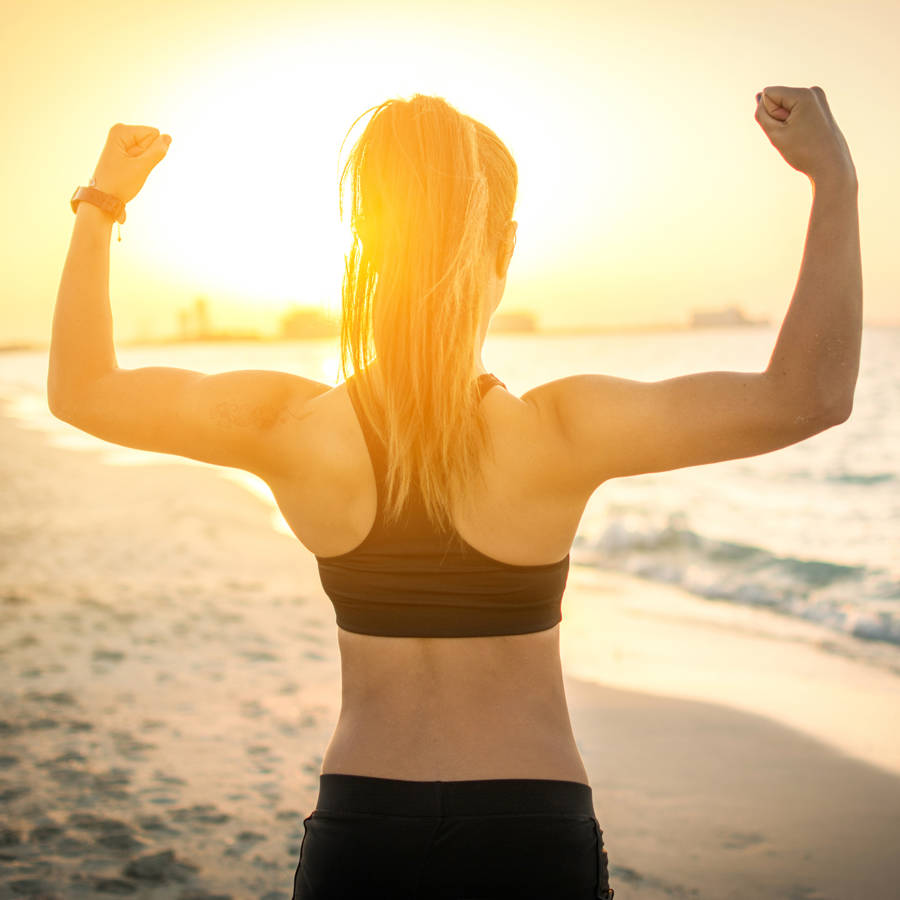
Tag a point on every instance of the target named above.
point(112, 205)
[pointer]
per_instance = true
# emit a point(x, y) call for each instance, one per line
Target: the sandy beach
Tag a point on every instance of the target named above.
point(170, 679)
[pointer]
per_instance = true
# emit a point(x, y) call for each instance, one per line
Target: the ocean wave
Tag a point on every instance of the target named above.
point(863, 479)
point(857, 600)
point(860, 478)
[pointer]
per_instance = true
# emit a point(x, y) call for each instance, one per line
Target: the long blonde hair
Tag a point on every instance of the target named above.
point(432, 191)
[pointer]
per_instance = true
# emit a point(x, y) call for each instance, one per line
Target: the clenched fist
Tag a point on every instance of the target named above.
point(130, 154)
point(799, 123)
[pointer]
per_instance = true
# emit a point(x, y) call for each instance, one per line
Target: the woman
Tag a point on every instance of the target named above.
point(441, 508)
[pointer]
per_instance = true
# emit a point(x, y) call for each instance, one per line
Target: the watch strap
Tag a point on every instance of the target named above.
point(107, 202)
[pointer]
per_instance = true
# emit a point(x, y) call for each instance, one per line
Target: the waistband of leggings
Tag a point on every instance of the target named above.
point(388, 796)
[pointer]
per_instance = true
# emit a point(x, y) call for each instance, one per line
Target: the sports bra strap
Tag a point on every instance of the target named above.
point(410, 578)
point(374, 443)
point(487, 381)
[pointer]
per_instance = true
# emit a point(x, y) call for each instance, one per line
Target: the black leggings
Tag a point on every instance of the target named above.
point(451, 840)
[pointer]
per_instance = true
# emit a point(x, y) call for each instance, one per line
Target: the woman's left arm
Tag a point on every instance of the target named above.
point(231, 419)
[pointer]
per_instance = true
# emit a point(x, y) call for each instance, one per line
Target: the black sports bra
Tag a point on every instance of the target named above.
point(408, 579)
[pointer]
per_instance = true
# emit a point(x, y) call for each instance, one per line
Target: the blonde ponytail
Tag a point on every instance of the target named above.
point(431, 189)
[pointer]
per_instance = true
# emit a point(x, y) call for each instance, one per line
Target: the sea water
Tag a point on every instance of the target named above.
point(811, 531)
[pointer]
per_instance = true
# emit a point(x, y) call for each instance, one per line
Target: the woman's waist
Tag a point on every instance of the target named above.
point(443, 744)
point(481, 701)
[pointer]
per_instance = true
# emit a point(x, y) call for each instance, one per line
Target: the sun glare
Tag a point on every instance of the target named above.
point(256, 154)
point(262, 179)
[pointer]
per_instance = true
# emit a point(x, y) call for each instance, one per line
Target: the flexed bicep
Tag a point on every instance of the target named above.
point(611, 427)
point(229, 419)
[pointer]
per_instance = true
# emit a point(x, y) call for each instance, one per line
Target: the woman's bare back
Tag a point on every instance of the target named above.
point(435, 709)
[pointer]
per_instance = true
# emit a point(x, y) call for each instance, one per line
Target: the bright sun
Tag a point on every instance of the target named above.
point(263, 182)
point(255, 160)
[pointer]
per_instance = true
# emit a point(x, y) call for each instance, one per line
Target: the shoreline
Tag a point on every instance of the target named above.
point(662, 640)
point(171, 679)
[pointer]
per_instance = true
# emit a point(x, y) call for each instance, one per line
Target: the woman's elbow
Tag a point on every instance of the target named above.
point(56, 400)
point(63, 404)
point(60, 407)
point(836, 405)
point(799, 422)
point(58, 392)
point(840, 411)
point(834, 412)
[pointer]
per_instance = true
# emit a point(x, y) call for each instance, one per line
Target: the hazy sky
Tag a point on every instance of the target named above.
point(647, 189)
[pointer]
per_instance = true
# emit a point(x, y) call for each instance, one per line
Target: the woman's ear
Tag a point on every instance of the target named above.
point(505, 249)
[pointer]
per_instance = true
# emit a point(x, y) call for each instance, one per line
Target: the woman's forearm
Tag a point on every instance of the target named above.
point(816, 356)
point(81, 347)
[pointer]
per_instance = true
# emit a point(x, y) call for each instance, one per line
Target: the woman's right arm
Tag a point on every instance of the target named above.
point(608, 427)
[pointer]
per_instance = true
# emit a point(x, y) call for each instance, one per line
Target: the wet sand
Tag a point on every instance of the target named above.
point(170, 680)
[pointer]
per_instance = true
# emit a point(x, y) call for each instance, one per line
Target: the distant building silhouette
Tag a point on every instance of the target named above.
point(513, 322)
point(193, 323)
point(727, 317)
point(307, 322)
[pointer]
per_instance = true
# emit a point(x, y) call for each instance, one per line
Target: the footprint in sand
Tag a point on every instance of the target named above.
point(31, 887)
point(252, 709)
point(740, 840)
point(9, 837)
point(243, 842)
point(260, 656)
point(157, 825)
point(75, 725)
point(152, 724)
point(44, 724)
point(85, 821)
point(113, 886)
point(27, 640)
point(112, 782)
point(108, 833)
point(8, 794)
point(71, 847)
point(128, 746)
point(160, 868)
point(165, 778)
point(200, 814)
point(46, 832)
point(71, 777)
point(69, 756)
point(120, 840)
point(289, 815)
